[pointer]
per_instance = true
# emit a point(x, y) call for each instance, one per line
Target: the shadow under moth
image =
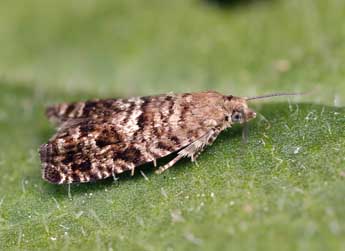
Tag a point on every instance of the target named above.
point(101, 138)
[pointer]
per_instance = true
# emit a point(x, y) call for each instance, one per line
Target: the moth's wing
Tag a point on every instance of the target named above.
point(87, 150)
point(93, 148)
point(61, 113)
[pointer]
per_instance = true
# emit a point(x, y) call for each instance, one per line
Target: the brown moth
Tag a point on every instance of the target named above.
point(101, 138)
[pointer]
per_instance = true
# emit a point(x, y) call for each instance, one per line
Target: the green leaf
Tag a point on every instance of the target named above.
point(286, 184)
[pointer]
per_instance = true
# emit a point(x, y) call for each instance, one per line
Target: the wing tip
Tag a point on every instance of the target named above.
point(49, 172)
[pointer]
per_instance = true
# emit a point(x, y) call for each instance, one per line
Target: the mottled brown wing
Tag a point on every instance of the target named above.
point(96, 146)
point(85, 150)
point(61, 113)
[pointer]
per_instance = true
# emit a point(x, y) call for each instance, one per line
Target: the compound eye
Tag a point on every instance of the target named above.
point(236, 117)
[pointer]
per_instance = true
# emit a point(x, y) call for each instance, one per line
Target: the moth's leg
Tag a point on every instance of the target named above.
point(170, 164)
point(121, 166)
point(208, 140)
point(195, 155)
point(193, 150)
point(132, 169)
point(114, 176)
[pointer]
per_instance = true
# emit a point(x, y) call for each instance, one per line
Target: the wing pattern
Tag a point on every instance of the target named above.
point(100, 138)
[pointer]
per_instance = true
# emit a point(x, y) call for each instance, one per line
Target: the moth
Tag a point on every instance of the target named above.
point(98, 139)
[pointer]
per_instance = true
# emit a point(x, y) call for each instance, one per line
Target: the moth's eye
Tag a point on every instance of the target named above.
point(236, 117)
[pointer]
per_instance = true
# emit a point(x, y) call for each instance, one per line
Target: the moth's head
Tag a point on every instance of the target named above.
point(238, 108)
point(239, 111)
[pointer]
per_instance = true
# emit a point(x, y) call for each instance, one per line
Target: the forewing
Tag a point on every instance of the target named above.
point(91, 109)
point(86, 151)
point(102, 144)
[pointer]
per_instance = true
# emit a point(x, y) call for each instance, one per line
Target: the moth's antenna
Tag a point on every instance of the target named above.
point(277, 95)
